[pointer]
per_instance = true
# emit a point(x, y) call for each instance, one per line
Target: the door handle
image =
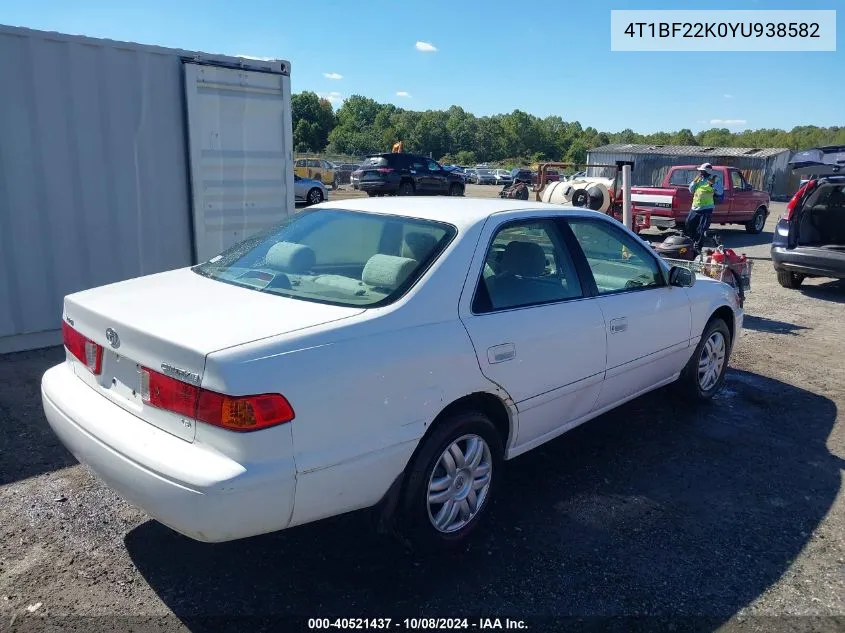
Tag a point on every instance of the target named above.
point(501, 353)
point(618, 325)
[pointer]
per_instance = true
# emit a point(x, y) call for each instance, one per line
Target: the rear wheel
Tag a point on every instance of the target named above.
point(372, 194)
point(789, 279)
point(757, 223)
point(406, 188)
point(450, 481)
point(705, 372)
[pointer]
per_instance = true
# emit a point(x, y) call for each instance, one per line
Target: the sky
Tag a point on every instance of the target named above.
point(487, 57)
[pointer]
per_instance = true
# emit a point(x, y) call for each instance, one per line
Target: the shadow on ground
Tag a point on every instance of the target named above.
point(731, 238)
point(657, 508)
point(772, 326)
point(833, 291)
point(28, 446)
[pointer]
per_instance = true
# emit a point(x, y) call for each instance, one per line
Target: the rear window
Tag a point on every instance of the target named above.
point(374, 161)
point(683, 177)
point(345, 258)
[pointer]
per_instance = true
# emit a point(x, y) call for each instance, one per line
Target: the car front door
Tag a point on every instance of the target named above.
point(742, 198)
point(648, 322)
point(439, 178)
point(537, 333)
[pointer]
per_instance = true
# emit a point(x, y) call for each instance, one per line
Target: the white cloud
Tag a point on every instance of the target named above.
point(402, 93)
point(729, 96)
point(426, 47)
point(260, 59)
point(332, 76)
point(334, 97)
point(728, 122)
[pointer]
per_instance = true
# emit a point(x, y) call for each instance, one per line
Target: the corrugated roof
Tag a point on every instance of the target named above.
point(690, 150)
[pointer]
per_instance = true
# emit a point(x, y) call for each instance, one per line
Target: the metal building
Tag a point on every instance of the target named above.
point(765, 168)
point(119, 160)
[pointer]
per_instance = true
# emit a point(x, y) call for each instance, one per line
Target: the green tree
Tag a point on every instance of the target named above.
point(313, 120)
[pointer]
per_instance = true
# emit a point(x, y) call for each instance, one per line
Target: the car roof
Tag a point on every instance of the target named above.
point(461, 212)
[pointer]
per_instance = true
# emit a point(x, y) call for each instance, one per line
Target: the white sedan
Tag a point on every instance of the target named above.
point(374, 353)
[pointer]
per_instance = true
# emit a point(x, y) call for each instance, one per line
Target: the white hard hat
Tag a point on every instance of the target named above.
point(704, 167)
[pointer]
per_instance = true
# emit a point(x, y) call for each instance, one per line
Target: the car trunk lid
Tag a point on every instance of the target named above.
point(169, 323)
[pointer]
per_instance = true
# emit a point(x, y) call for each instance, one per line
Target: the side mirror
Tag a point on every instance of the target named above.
point(681, 277)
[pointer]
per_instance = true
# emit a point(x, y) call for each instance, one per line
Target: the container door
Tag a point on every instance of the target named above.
point(241, 161)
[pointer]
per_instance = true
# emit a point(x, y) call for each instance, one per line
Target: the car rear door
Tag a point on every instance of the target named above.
point(648, 322)
point(537, 331)
point(439, 178)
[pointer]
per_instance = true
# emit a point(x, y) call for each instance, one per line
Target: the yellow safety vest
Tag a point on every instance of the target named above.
point(704, 197)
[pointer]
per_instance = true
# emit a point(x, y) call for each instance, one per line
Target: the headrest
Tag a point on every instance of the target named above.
point(387, 271)
point(525, 259)
point(291, 258)
point(418, 246)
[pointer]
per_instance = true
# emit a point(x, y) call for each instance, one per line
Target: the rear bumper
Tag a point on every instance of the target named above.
point(191, 488)
point(817, 262)
point(658, 221)
point(378, 186)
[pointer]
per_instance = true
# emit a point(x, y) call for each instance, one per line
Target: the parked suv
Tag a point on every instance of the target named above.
point(523, 175)
point(407, 175)
point(809, 240)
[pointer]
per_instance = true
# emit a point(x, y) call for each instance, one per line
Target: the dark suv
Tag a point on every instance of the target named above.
point(809, 240)
point(523, 175)
point(407, 175)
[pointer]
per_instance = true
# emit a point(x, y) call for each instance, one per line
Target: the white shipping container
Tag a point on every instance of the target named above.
point(119, 160)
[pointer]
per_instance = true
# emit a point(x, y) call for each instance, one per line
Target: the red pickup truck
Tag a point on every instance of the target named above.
point(669, 204)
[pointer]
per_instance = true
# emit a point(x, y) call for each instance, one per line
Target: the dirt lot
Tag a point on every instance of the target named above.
point(731, 515)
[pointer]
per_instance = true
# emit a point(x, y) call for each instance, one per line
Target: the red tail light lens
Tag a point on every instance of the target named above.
point(790, 207)
point(83, 349)
point(384, 170)
point(235, 413)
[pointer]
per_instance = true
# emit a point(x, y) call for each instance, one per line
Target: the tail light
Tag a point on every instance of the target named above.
point(790, 207)
point(83, 349)
point(235, 413)
point(384, 170)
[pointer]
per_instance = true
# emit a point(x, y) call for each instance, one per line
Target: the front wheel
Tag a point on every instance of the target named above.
point(450, 481)
point(456, 190)
point(705, 372)
point(789, 279)
point(406, 188)
point(315, 196)
point(757, 223)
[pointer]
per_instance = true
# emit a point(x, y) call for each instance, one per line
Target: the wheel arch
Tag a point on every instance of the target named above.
point(726, 314)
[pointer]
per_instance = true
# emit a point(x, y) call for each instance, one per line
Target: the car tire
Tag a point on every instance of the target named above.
point(315, 196)
point(434, 524)
point(334, 183)
point(788, 279)
point(406, 188)
point(456, 190)
point(371, 194)
point(756, 225)
point(704, 374)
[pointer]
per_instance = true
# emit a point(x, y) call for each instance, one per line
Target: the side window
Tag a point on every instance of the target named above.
point(313, 163)
point(736, 180)
point(619, 262)
point(432, 166)
point(418, 165)
point(327, 165)
point(300, 162)
point(526, 265)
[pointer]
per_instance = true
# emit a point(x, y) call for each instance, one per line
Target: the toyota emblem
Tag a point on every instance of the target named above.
point(112, 338)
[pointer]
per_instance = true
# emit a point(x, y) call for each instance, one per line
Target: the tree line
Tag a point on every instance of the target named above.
point(363, 126)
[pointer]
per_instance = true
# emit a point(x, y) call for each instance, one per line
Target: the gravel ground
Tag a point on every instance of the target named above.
point(726, 516)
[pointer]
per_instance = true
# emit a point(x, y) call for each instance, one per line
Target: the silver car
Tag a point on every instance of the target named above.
point(309, 191)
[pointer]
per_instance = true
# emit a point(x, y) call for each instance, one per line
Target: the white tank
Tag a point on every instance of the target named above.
point(559, 192)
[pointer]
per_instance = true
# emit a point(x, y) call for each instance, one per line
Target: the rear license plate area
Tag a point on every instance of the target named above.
point(123, 378)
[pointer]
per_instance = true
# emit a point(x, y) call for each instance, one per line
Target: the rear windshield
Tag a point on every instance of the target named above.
point(374, 161)
point(485, 172)
point(345, 258)
point(830, 196)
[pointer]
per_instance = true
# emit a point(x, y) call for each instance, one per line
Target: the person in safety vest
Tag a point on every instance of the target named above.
point(397, 147)
point(704, 189)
